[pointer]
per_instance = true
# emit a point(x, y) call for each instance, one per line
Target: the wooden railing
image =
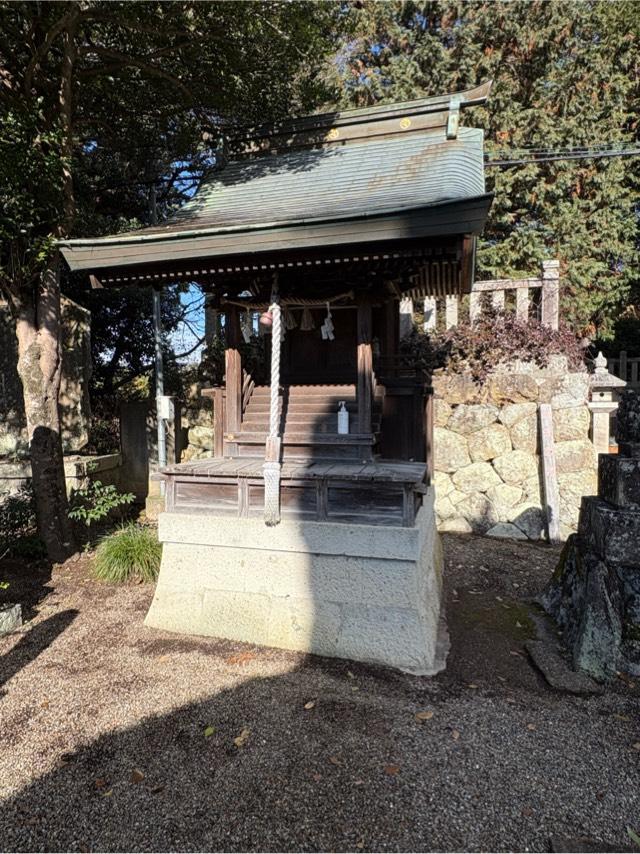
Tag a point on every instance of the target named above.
point(248, 386)
point(497, 290)
point(625, 367)
point(219, 395)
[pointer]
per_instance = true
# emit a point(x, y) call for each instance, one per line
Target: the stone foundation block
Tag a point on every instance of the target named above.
point(619, 480)
point(610, 532)
point(370, 593)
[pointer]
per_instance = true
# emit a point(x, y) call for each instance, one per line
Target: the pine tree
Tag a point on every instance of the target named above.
point(565, 75)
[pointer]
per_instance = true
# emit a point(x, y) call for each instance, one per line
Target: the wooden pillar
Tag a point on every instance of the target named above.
point(218, 422)
point(428, 433)
point(364, 393)
point(391, 324)
point(211, 318)
point(233, 370)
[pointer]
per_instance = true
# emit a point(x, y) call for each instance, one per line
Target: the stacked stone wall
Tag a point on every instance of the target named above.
point(197, 420)
point(488, 475)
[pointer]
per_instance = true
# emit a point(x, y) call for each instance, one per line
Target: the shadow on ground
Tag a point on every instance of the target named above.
point(331, 755)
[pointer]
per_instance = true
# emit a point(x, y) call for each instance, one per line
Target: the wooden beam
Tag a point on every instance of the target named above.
point(391, 327)
point(233, 370)
point(364, 393)
point(218, 422)
point(468, 263)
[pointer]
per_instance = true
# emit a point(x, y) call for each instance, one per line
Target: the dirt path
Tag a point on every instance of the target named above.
point(103, 744)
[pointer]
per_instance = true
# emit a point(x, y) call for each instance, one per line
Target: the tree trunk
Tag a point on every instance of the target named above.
point(40, 369)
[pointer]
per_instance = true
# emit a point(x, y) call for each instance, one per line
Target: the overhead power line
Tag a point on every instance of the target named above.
point(526, 155)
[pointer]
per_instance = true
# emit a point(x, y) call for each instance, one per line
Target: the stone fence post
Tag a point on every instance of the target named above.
point(406, 316)
point(603, 403)
point(550, 312)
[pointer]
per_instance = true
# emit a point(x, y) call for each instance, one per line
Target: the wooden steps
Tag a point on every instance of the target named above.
point(308, 424)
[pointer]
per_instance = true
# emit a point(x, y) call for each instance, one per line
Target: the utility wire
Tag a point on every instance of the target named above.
point(548, 155)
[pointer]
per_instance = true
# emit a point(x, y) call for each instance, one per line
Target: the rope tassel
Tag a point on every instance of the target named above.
point(271, 468)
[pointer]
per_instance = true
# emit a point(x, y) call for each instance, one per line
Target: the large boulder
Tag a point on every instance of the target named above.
point(507, 530)
point(476, 477)
point(490, 442)
point(442, 484)
point(512, 388)
point(529, 518)
point(456, 388)
point(201, 437)
point(478, 511)
point(444, 508)
point(571, 390)
point(504, 496)
point(524, 434)
point(576, 455)
point(459, 525)
point(469, 417)
point(513, 412)
point(571, 423)
point(516, 466)
point(450, 451)
point(441, 412)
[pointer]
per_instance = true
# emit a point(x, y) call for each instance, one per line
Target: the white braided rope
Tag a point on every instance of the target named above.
point(271, 468)
point(276, 338)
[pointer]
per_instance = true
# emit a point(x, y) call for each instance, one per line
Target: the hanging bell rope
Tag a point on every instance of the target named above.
point(271, 468)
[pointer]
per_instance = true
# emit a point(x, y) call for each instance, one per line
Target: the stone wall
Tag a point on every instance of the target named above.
point(197, 420)
point(15, 475)
point(488, 476)
point(75, 412)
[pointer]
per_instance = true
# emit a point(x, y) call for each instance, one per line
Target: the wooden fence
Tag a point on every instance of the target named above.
point(542, 294)
point(625, 367)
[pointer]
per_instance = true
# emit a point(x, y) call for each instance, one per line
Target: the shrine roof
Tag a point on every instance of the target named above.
point(384, 173)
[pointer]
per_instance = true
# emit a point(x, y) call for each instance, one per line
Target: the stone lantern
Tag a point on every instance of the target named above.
point(605, 389)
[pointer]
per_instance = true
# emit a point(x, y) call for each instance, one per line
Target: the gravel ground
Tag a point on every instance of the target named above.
point(103, 742)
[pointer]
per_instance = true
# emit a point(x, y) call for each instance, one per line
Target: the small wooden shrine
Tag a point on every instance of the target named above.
point(315, 229)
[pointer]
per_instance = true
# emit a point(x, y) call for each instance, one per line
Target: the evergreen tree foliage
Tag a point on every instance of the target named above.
point(565, 75)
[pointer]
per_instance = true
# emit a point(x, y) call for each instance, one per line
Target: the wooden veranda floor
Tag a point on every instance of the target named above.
point(381, 492)
point(384, 471)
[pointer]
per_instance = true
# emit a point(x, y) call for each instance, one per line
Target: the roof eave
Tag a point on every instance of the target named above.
point(448, 217)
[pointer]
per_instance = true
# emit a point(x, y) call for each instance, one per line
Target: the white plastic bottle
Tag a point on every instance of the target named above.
point(343, 418)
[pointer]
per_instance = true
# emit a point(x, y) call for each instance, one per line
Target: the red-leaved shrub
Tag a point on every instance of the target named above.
point(477, 349)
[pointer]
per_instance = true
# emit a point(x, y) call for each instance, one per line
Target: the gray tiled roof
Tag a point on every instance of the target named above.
point(365, 178)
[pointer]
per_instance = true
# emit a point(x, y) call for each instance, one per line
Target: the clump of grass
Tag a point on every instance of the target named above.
point(131, 553)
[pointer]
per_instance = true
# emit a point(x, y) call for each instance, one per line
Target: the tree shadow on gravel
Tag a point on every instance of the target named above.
point(326, 757)
point(31, 644)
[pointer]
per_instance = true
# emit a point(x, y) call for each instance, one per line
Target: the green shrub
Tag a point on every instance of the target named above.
point(132, 552)
point(96, 502)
